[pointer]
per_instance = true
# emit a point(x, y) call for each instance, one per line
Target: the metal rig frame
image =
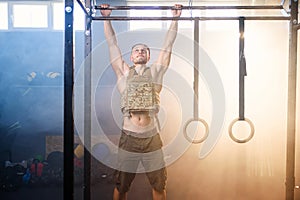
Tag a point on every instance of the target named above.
point(89, 8)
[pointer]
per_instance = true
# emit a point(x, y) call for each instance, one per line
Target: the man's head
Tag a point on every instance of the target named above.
point(140, 54)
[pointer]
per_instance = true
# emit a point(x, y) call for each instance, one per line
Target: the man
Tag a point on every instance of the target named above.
point(140, 86)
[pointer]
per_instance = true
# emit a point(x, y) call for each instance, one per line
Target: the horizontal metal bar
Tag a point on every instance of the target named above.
point(120, 18)
point(189, 7)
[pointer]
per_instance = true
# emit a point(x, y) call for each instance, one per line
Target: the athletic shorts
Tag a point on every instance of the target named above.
point(138, 155)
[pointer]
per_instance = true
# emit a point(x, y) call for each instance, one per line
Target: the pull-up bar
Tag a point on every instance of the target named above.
point(188, 7)
point(124, 18)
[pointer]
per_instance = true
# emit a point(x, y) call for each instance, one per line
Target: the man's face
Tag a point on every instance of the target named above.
point(140, 54)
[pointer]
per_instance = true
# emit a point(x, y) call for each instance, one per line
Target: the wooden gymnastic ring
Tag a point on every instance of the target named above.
point(198, 140)
point(241, 140)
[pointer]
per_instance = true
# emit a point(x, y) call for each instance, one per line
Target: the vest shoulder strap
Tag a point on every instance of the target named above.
point(133, 72)
point(147, 72)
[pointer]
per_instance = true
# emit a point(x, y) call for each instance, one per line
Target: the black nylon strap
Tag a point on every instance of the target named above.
point(242, 70)
point(242, 74)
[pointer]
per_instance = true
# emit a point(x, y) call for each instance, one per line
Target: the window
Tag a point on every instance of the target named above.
point(38, 15)
point(30, 16)
point(59, 17)
point(185, 24)
point(3, 16)
point(79, 17)
point(157, 24)
point(134, 25)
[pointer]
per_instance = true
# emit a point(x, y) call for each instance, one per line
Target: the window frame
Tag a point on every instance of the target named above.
point(50, 17)
point(11, 16)
point(7, 23)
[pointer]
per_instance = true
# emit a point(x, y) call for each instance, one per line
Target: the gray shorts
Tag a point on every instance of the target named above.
point(140, 150)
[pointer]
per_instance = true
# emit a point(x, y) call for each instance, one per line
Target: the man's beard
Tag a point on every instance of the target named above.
point(140, 61)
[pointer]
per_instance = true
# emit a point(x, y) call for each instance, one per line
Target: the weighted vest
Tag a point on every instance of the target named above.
point(139, 94)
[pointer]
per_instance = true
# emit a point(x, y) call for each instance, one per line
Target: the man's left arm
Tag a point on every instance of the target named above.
point(164, 57)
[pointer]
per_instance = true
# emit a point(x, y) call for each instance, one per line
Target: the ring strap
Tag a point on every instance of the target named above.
point(196, 67)
point(242, 70)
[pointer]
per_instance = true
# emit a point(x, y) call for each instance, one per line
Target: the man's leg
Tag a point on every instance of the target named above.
point(123, 182)
point(157, 180)
point(159, 195)
point(118, 196)
point(154, 164)
point(127, 166)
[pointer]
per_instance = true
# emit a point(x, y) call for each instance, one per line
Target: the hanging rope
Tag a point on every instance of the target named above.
point(242, 74)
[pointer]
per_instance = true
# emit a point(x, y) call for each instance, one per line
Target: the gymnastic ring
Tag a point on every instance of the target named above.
point(198, 140)
point(243, 140)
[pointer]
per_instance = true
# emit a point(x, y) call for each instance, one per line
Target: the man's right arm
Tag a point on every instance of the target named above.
point(116, 59)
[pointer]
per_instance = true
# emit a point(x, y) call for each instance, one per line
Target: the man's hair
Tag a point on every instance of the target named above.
point(148, 49)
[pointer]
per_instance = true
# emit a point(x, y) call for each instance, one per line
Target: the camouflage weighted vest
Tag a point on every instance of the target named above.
point(139, 94)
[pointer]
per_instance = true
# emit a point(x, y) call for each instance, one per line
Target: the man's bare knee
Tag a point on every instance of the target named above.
point(159, 195)
point(119, 196)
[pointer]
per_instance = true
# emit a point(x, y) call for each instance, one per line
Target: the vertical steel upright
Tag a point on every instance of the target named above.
point(87, 101)
point(68, 131)
point(291, 110)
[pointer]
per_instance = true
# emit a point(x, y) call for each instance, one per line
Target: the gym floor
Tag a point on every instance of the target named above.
point(103, 190)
